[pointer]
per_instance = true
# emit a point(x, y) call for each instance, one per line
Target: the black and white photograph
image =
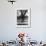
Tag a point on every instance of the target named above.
point(23, 17)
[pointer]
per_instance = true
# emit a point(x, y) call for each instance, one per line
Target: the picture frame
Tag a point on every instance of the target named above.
point(23, 18)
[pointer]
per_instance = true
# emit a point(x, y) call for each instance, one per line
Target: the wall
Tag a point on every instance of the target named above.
point(8, 28)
